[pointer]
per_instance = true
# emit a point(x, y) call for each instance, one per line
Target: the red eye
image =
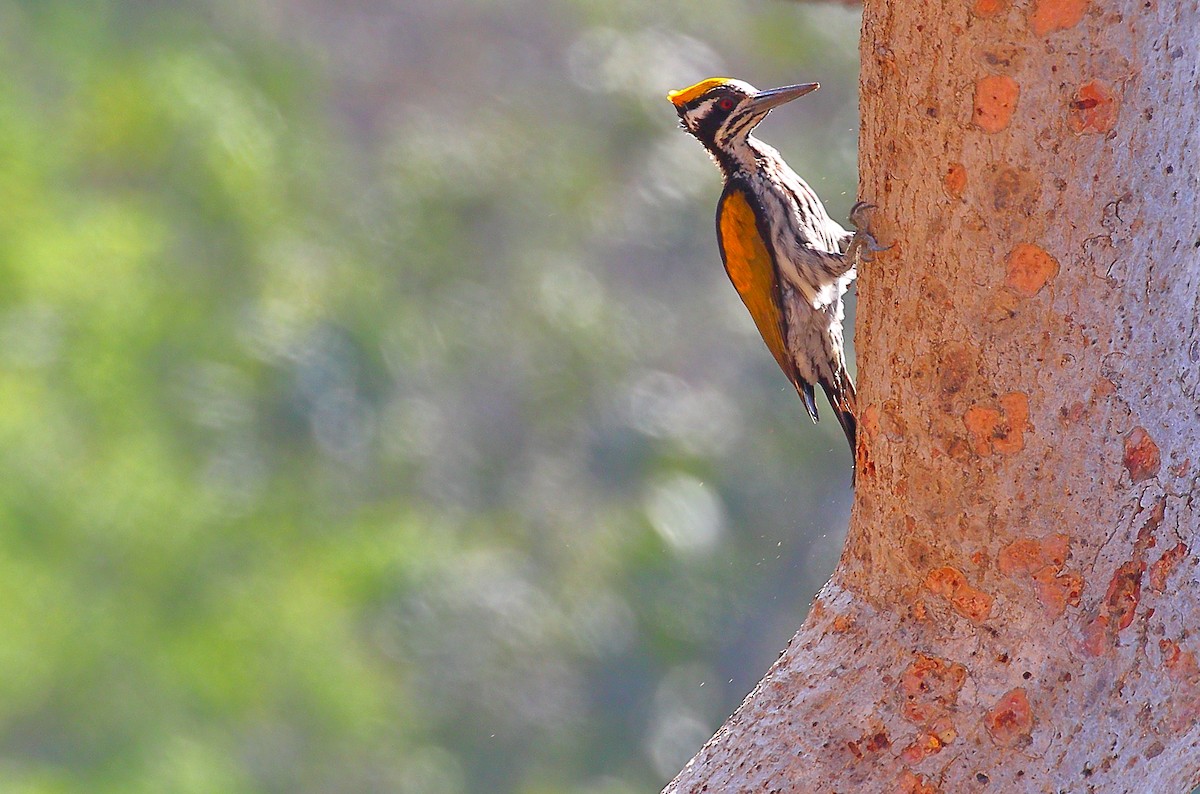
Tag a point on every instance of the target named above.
point(725, 104)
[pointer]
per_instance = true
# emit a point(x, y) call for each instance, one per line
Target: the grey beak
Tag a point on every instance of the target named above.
point(764, 101)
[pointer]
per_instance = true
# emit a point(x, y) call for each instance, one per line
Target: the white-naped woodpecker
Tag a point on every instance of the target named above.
point(790, 262)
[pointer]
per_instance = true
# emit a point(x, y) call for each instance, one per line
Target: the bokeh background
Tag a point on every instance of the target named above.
point(375, 414)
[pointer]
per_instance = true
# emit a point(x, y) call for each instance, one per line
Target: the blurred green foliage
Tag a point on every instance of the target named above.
point(374, 412)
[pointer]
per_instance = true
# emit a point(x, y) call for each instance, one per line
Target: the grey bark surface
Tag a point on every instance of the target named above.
point(1018, 604)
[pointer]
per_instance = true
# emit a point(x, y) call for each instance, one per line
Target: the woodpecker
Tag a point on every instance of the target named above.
point(789, 261)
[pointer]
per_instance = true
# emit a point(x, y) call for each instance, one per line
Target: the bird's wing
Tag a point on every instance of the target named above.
point(753, 273)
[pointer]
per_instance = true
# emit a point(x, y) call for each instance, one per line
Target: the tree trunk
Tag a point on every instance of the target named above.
point(1018, 604)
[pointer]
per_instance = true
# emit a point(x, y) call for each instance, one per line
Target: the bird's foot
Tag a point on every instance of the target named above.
point(860, 214)
point(863, 245)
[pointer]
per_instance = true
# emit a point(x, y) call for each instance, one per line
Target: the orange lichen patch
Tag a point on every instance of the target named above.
point(869, 421)
point(955, 181)
point(995, 100)
point(973, 604)
point(1029, 269)
point(868, 428)
point(1095, 639)
point(925, 745)
point(1000, 430)
point(1030, 554)
point(1142, 460)
point(1145, 538)
point(951, 584)
point(1057, 591)
point(876, 741)
point(1042, 561)
point(930, 686)
point(1021, 556)
point(1184, 671)
point(1016, 411)
point(1117, 610)
point(1181, 663)
point(988, 8)
point(1010, 720)
point(1051, 15)
point(863, 464)
point(1161, 571)
point(931, 677)
point(841, 624)
point(1124, 592)
point(910, 783)
point(871, 744)
point(1181, 469)
point(982, 423)
point(1094, 108)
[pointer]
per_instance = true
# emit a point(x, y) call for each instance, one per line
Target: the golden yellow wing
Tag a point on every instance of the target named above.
point(750, 268)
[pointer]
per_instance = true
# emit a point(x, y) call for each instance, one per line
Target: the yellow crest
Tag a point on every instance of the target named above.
point(685, 95)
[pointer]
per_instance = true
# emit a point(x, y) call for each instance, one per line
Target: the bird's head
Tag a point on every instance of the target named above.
point(721, 112)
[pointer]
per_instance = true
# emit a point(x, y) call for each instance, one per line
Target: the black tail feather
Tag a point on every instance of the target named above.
point(809, 397)
point(842, 400)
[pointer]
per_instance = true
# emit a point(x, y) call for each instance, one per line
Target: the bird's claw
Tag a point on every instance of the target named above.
point(864, 243)
point(859, 214)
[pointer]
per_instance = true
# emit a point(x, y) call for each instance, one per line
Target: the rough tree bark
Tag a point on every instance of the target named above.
point(1018, 604)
